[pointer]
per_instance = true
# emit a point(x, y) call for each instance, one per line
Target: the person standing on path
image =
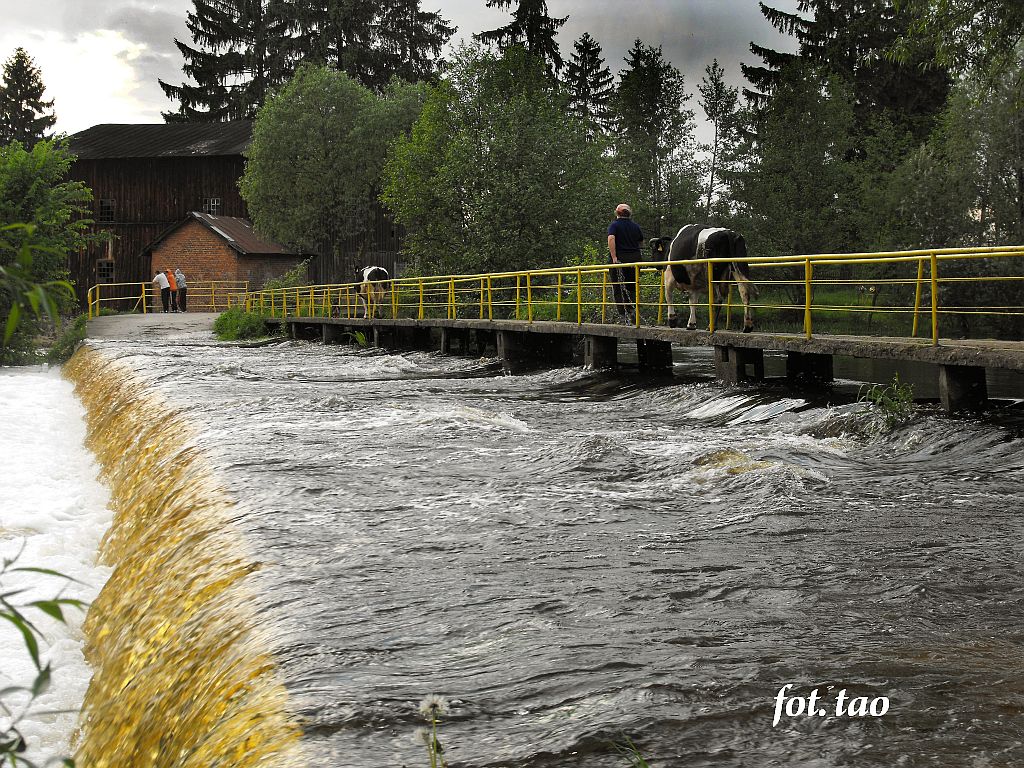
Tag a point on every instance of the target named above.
point(174, 290)
point(179, 279)
point(625, 239)
point(160, 281)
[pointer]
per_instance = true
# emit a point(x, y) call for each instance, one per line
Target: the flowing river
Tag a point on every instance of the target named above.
point(574, 559)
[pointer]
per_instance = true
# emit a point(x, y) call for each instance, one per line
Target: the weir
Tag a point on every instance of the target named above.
point(959, 364)
point(184, 673)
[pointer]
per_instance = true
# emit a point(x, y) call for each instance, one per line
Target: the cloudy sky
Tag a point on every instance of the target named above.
point(101, 59)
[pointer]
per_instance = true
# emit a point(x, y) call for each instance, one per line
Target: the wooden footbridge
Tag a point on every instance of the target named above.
point(811, 308)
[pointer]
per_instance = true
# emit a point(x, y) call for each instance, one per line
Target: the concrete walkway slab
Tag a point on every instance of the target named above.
point(195, 325)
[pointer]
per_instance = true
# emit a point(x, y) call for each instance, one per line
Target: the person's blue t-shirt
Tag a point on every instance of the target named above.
point(628, 237)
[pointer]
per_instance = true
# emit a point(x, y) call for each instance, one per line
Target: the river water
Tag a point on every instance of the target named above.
point(573, 559)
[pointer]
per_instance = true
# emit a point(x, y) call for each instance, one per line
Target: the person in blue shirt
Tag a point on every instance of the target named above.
point(625, 239)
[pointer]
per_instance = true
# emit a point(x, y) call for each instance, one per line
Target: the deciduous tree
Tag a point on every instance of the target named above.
point(494, 175)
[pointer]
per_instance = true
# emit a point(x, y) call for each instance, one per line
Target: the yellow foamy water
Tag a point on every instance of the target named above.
point(183, 672)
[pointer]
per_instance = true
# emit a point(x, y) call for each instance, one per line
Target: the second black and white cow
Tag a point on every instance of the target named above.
point(696, 241)
point(371, 289)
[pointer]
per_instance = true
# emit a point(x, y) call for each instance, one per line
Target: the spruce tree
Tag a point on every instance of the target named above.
point(852, 40)
point(589, 83)
point(370, 41)
point(23, 113)
point(239, 55)
point(530, 27)
point(655, 146)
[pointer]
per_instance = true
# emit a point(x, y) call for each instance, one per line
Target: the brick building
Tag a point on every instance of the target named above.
point(210, 248)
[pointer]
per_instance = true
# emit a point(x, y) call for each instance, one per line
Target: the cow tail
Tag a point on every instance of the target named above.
point(740, 268)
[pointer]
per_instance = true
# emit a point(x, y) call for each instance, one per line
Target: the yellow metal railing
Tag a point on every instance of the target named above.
point(810, 289)
point(203, 296)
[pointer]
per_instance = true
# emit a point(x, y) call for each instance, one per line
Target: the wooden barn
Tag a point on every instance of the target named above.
point(148, 180)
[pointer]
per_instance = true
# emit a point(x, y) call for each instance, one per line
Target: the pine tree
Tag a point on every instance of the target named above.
point(589, 84)
point(370, 41)
point(239, 56)
point(23, 113)
point(719, 102)
point(852, 39)
point(530, 27)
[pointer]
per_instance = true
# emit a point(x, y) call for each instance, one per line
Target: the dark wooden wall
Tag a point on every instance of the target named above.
point(350, 246)
point(150, 194)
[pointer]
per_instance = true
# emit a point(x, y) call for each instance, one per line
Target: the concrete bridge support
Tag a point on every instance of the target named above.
point(654, 355)
point(962, 388)
point(736, 364)
point(520, 351)
point(452, 338)
point(335, 334)
point(600, 351)
point(383, 337)
point(809, 368)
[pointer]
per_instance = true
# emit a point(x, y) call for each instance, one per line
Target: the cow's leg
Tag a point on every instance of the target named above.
point(669, 281)
point(691, 324)
point(364, 302)
point(746, 288)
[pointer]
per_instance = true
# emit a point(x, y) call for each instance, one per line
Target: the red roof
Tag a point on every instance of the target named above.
point(236, 232)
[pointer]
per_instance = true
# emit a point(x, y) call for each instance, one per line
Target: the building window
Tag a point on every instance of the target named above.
point(211, 205)
point(105, 271)
point(106, 213)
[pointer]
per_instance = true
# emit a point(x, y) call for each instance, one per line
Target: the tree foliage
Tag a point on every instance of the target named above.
point(371, 42)
point(531, 27)
point(494, 175)
point(24, 115)
point(719, 102)
point(654, 139)
point(318, 147)
point(237, 58)
point(590, 84)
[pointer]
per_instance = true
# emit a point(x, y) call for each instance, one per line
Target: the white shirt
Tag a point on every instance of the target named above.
point(161, 281)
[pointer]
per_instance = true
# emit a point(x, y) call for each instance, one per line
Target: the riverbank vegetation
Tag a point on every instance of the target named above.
point(238, 325)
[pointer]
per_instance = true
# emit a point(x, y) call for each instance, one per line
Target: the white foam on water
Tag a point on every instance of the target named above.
point(53, 511)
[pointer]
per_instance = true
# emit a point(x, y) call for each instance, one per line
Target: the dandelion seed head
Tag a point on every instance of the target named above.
point(422, 734)
point(433, 705)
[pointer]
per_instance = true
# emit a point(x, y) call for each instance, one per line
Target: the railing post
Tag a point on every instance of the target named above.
point(636, 295)
point(420, 281)
point(808, 273)
point(604, 295)
point(452, 307)
point(661, 298)
point(558, 299)
point(145, 309)
point(213, 297)
point(711, 297)
point(917, 297)
point(490, 299)
point(517, 295)
point(579, 296)
point(935, 298)
point(481, 298)
point(529, 299)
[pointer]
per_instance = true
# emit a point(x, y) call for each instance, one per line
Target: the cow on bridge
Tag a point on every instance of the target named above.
point(372, 289)
point(696, 241)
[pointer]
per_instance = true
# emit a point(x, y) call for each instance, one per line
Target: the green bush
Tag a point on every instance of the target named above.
point(71, 333)
point(237, 324)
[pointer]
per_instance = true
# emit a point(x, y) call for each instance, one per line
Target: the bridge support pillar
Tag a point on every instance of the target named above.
point(332, 334)
point(290, 327)
point(732, 364)
point(962, 388)
point(452, 337)
point(413, 338)
point(520, 351)
point(809, 368)
point(654, 355)
point(484, 339)
point(383, 337)
point(600, 351)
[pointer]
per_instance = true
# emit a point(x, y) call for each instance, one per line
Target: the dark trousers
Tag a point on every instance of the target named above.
point(165, 298)
point(174, 299)
point(182, 295)
point(624, 286)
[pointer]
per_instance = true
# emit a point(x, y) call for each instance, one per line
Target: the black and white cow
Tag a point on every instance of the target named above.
point(371, 290)
point(696, 241)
